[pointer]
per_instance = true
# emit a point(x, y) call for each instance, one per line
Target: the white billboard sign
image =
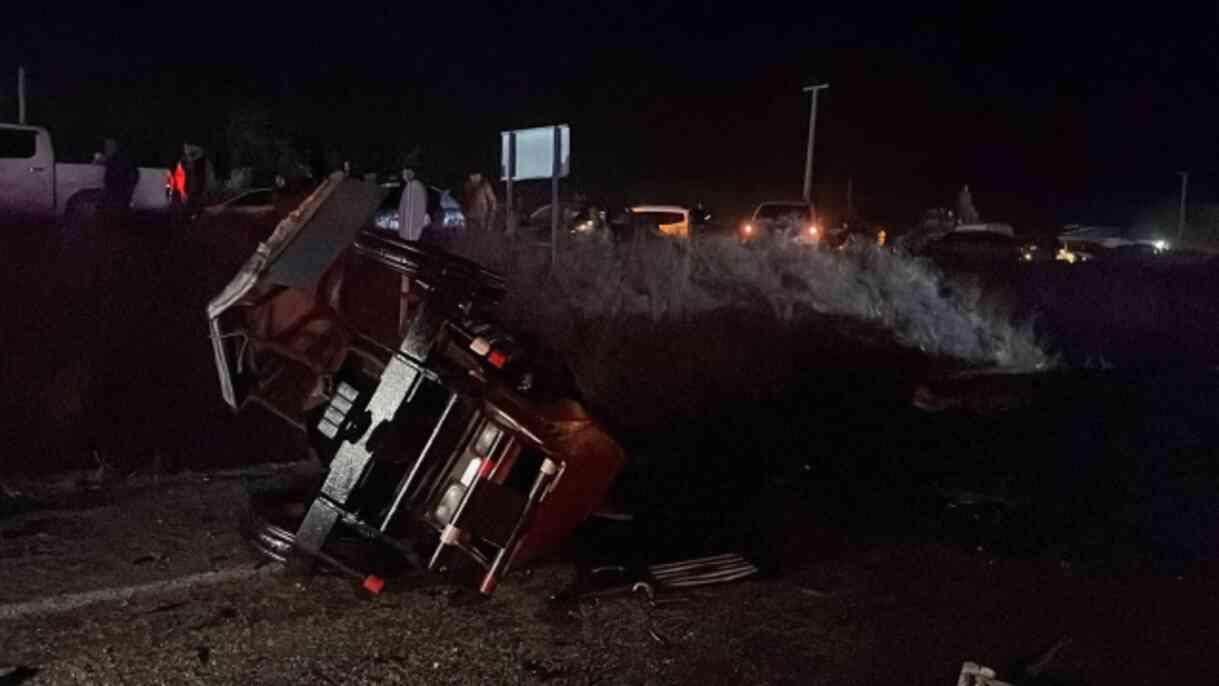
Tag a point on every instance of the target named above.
point(534, 156)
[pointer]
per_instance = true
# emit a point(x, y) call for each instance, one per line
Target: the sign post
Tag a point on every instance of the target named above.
point(555, 209)
point(536, 154)
point(510, 173)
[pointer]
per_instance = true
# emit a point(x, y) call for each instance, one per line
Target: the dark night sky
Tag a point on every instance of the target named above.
point(1051, 113)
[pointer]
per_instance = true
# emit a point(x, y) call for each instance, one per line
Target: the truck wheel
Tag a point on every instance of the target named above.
point(83, 209)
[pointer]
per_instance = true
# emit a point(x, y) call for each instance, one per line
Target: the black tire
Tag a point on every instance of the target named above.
point(84, 209)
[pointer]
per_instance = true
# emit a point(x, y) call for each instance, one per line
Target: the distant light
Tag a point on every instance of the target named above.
point(1161, 245)
point(813, 230)
point(748, 229)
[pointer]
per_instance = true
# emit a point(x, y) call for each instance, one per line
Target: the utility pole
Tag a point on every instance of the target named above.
point(812, 131)
point(1181, 214)
point(21, 95)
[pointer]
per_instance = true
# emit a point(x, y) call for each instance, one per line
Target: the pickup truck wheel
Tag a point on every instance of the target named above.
point(84, 208)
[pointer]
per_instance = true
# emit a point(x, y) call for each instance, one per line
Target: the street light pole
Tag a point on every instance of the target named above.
point(812, 131)
point(1181, 213)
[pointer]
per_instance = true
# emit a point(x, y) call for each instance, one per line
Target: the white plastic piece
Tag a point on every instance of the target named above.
point(467, 477)
point(974, 674)
point(341, 405)
point(450, 536)
point(347, 392)
point(549, 468)
point(480, 346)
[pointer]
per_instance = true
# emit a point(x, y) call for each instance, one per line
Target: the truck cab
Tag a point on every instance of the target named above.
point(27, 174)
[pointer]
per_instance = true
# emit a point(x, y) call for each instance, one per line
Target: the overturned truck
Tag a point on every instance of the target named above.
point(444, 438)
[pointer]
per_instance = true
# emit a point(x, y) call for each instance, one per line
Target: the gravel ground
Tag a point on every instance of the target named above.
point(109, 534)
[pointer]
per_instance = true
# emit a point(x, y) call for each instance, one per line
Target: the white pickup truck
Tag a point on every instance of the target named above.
point(33, 183)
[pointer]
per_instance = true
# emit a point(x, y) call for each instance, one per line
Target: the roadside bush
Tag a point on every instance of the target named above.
point(671, 319)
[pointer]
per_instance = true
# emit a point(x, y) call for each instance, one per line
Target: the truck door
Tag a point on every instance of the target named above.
point(26, 171)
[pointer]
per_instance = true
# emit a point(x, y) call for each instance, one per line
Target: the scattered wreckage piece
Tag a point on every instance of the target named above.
point(658, 578)
point(973, 674)
point(449, 433)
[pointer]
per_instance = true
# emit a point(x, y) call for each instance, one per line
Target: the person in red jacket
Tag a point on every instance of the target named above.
point(188, 183)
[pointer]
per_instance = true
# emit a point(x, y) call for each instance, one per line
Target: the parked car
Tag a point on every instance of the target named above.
point(33, 182)
point(256, 201)
point(789, 221)
point(974, 246)
point(579, 220)
point(670, 221)
point(1082, 243)
point(443, 210)
point(569, 215)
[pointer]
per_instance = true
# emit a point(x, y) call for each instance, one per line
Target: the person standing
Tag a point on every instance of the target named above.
point(412, 219)
point(480, 202)
point(119, 180)
point(965, 207)
point(412, 207)
point(198, 175)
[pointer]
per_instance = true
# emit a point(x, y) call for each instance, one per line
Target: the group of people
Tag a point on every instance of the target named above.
point(187, 183)
point(190, 179)
point(479, 204)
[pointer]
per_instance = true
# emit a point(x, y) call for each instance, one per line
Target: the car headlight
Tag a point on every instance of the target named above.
point(449, 502)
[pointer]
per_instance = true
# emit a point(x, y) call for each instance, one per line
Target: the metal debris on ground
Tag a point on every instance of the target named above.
point(974, 674)
point(655, 581)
